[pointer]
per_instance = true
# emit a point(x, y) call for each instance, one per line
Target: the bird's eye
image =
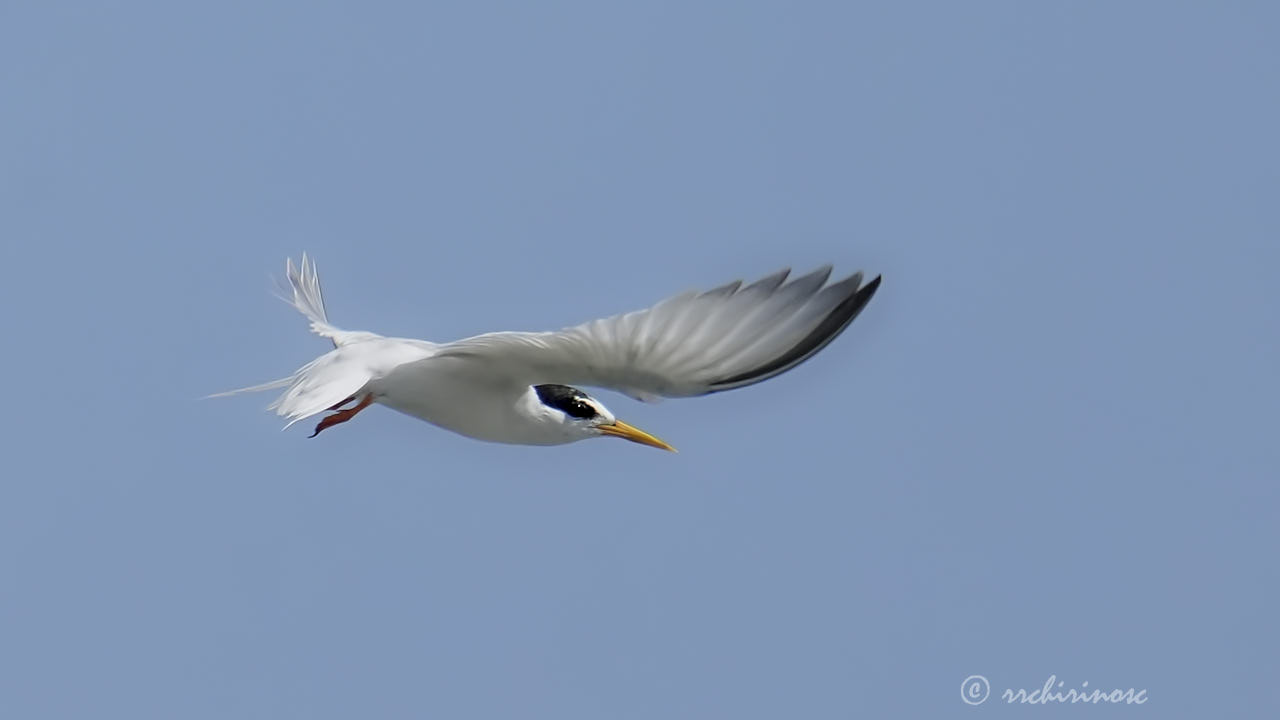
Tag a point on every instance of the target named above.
point(568, 400)
point(578, 409)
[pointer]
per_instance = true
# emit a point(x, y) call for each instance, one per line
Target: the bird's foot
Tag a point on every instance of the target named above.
point(342, 416)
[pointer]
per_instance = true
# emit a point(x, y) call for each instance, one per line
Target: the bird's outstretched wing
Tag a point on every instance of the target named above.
point(690, 344)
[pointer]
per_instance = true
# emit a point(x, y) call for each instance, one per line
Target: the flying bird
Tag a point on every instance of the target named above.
point(521, 387)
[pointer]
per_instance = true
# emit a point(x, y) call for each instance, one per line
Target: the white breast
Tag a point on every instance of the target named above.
point(470, 397)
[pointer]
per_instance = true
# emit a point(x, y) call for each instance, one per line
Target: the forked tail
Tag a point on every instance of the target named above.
point(331, 378)
point(304, 295)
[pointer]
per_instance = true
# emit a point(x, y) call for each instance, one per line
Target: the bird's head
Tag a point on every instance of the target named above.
point(581, 416)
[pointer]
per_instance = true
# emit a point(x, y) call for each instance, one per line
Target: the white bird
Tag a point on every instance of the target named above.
point(519, 387)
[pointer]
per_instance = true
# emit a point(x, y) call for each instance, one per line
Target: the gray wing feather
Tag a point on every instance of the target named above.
point(689, 344)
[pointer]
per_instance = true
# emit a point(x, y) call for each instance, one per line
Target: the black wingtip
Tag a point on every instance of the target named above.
point(820, 337)
point(871, 287)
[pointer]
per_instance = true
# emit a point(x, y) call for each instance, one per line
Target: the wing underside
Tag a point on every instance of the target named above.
point(687, 345)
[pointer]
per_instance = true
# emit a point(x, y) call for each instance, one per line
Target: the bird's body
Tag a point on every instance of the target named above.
point(464, 397)
point(514, 387)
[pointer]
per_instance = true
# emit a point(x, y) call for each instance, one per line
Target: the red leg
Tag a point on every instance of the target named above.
point(335, 406)
point(342, 416)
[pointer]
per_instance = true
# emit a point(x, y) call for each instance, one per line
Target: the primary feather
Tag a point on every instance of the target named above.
point(691, 344)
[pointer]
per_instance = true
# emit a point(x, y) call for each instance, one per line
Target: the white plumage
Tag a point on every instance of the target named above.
point(517, 387)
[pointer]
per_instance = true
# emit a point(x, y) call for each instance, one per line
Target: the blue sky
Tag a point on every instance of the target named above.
point(1048, 447)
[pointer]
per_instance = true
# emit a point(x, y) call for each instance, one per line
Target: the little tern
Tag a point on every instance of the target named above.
point(520, 387)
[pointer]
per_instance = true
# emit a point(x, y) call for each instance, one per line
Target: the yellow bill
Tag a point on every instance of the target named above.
point(634, 434)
